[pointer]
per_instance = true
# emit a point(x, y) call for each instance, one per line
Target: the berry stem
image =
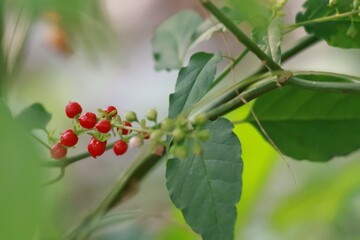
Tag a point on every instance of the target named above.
point(40, 141)
point(68, 161)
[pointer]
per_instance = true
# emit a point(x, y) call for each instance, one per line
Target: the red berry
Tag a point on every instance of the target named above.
point(69, 138)
point(58, 151)
point(96, 148)
point(87, 120)
point(126, 131)
point(120, 147)
point(103, 126)
point(72, 109)
point(110, 109)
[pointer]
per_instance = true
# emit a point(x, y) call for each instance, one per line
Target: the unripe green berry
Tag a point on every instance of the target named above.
point(131, 116)
point(180, 152)
point(204, 135)
point(200, 119)
point(333, 3)
point(156, 135)
point(182, 122)
point(178, 134)
point(167, 125)
point(197, 149)
point(151, 115)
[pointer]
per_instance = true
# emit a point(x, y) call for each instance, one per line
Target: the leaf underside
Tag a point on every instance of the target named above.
point(310, 125)
point(206, 188)
point(34, 117)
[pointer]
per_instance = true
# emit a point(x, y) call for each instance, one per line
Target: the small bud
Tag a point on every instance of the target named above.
point(333, 3)
point(200, 119)
point(159, 150)
point(167, 124)
point(131, 116)
point(151, 115)
point(204, 135)
point(135, 142)
point(179, 151)
point(197, 149)
point(178, 134)
point(156, 135)
point(352, 31)
point(182, 122)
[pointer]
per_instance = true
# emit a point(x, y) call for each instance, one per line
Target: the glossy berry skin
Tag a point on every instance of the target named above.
point(72, 109)
point(126, 131)
point(103, 126)
point(69, 138)
point(96, 148)
point(58, 151)
point(120, 147)
point(87, 120)
point(109, 109)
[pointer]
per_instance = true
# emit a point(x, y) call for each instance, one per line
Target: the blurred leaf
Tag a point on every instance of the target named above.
point(310, 125)
point(172, 39)
point(177, 34)
point(20, 175)
point(256, 12)
point(314, 206)
point(269, 39)
point(74, 23)
point(205, 30)
point(343, 32)
point(259, 158)
point(193, 82)
point(34, 117)
point(206, 188)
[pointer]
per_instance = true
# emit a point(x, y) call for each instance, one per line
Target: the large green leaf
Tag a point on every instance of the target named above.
point(176, 35)
point(20, 175)
point(343, 32)
point(310, 125)
point(269, 39)
point(206, 188)
point(34, 117)
point(193, 82)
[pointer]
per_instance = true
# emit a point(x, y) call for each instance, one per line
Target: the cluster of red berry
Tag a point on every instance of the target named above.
point(99, 127)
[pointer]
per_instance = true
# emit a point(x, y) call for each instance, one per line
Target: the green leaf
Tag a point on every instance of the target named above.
point(206, 188)
point(194, 81)
point(343, 32)
point(20, 175)
point(176, 35)
point(173, 37)
point(255, 12)
point(310, 125)
point(269, 39)
point(34, 117)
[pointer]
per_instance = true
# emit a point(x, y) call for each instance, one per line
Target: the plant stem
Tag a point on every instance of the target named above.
point(133, 175)
point(334, 17)
point(300, 46)
point(67, 161)
point(336, 87)
point(261, 88)
point(230, 67)
point(304, 43)
point(231, 26)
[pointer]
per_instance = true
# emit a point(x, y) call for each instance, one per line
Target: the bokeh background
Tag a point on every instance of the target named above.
point(107, 60)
